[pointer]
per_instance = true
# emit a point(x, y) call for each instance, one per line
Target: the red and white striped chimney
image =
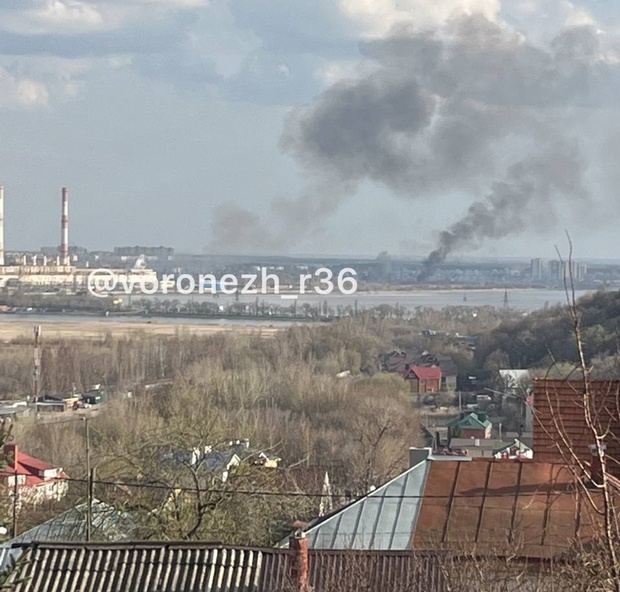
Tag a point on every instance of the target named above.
point(64, 236)
point(1, 225)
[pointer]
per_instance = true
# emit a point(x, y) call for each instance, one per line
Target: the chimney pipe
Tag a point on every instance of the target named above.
point(299, 571)
point(64, 237)
point(418, 455)
point(1, 225)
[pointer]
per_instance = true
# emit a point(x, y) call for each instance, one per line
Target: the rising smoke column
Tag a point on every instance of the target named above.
point(523, 200)
point(471, 107)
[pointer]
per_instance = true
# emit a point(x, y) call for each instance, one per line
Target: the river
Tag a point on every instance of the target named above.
point(521, 299)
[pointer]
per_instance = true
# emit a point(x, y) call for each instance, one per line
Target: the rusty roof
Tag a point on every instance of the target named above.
point(522, 508)
point(559, 420)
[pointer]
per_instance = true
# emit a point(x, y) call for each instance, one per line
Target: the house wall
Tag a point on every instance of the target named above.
point(430, 386)
point(449, 383)
point(414, 385)
point(476, 433)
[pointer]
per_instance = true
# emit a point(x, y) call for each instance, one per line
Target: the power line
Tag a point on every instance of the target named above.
point(263, 493)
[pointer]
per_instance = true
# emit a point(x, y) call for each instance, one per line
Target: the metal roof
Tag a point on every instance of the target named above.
point(144, 567)
point(559, 420)
point(522, 508)
point(382, 520)
point(7, 556)
point(204, 567)
point(470, 420)
point(107, 524)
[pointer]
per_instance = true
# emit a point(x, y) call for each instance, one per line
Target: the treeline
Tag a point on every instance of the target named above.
point(282, 393)
point(547, 337)
point(353, 343)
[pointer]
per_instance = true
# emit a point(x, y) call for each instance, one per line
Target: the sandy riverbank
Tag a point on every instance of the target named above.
point(122, 328)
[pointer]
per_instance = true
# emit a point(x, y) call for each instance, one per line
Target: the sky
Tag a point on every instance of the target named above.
point(460, 127)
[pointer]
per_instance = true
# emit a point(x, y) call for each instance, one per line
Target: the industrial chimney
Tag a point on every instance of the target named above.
point(1, 225)
point(64, 236)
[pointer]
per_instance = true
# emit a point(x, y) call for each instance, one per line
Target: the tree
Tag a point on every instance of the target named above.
point(6, 506)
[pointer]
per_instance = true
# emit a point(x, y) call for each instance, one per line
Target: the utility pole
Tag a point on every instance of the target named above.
point(37, 364)
point(89, 481)
point(15, 492)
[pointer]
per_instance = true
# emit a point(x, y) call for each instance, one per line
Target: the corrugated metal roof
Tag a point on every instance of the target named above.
point(144, 567)
point(384, 519)
point(203, 567)
point(7, 556)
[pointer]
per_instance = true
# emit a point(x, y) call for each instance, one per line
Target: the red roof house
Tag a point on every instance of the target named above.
point(423, 379)
point(36, 480)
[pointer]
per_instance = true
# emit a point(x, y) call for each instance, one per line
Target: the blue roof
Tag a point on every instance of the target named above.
point(384, 519)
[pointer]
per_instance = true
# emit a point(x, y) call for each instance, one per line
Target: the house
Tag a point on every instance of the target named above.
point(396, 360)
point(208, 567)
point(522, 509)
point(561, 433)
point(449, 373)
point(107, 523)
point(37, 481)
point(14, 409)
point(470, 425)
point(222, 461)
point(94, 397)
point(490, 448)
point(58, 403)
point(422, 379)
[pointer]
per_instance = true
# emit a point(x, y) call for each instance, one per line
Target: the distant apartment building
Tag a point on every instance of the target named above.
point(560, 270)
point(163, 253)
point(536, 269)
point(555, 270)
point(581, 272)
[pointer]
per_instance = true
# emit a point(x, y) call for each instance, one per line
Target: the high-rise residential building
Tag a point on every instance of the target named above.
point(536, 269)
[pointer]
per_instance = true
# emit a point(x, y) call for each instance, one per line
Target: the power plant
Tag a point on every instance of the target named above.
point(43, 270)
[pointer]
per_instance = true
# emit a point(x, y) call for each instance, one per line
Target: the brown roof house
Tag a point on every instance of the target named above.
point(494, 507)
point(567, 416)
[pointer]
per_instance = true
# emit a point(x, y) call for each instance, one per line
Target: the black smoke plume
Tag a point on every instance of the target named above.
point(471, 107)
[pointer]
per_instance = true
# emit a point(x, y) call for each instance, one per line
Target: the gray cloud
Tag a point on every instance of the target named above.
point(440, 113)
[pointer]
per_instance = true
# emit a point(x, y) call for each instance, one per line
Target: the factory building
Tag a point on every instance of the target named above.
point(47, 270)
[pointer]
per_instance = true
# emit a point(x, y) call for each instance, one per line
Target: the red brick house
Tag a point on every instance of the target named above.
point(37, 480)
point(423, 379)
